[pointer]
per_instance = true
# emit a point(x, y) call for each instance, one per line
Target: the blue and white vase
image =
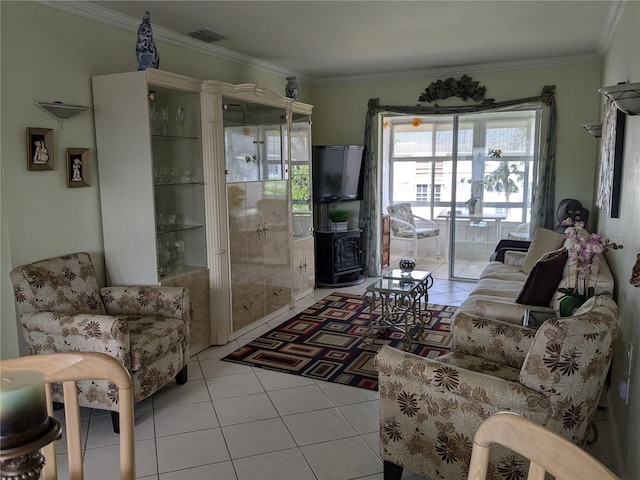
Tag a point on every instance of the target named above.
point(146, 50)
point(291, 90)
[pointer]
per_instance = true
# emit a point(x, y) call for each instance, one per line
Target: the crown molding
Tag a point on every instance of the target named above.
point(615, 13)
point(461, 69)
point(125, 22)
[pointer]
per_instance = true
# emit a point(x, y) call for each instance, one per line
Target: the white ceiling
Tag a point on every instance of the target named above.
point(326, 41)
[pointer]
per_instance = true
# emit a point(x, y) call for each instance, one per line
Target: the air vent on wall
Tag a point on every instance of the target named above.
point(206, 35)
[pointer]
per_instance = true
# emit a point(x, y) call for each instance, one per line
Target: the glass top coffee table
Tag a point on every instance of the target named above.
point(401, 300)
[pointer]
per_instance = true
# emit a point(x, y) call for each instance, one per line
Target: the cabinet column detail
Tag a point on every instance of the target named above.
point(217, 225)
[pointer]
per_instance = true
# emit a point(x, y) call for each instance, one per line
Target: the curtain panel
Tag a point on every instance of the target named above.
point(543, 200)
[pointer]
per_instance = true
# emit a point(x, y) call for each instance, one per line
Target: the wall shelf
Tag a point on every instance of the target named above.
point(61, 111)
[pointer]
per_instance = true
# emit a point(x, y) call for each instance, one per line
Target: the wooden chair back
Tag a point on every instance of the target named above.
point(67, 369)
point(547, 451)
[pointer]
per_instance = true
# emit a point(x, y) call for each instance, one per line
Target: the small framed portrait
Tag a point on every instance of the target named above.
point(78, 174)
point(40, 149)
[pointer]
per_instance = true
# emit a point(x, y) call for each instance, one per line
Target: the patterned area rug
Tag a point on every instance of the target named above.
point(325, 342)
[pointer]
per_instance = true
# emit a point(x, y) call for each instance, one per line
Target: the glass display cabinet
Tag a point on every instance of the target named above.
point(255, 140)
point(301, 203)
point(149, 149)
point(247, 153)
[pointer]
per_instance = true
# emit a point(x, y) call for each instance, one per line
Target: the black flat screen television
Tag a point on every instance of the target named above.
point(337, 173)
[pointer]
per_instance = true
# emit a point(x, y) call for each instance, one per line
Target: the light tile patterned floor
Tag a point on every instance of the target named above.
point(233, 421)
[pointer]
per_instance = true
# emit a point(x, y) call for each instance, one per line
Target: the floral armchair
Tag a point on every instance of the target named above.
point(407, 226)
point(430, 409)
point(61, 309)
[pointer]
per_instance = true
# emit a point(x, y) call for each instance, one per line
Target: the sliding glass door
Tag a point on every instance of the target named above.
point(472, 174)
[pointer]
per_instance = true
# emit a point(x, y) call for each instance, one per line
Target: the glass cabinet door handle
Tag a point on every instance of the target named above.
point(259, 231)
point(247, 306)
point(265, 229)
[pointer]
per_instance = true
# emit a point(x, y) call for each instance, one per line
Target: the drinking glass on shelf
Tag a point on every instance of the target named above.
point(164, 118)
point(161, 175)
point(164, 259)
point(154, 118)
point(170, 221)
point(161, 223)
point(180, 120)
point(189, 175)
point(177, 255)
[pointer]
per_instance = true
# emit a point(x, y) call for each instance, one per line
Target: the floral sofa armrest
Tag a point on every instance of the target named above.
point(422, 399)
point(432, 377)
point(510, 312)
point(514, 258)
point(170, 302)
point(50, 332)
point(490, 339)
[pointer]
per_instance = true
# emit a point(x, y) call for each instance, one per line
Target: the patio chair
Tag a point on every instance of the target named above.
point(521, 232)
point(407, 226)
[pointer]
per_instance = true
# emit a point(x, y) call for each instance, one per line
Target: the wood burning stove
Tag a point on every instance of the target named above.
point(338, 258)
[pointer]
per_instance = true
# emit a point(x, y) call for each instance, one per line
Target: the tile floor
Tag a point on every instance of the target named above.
point(232, 421)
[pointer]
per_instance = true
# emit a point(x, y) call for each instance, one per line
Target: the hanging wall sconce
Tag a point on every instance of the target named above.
point(593, 129)
point(635, 273)
point(626, 96)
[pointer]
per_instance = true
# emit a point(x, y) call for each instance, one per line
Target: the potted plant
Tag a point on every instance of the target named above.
point(339, 219)
point(583, 250)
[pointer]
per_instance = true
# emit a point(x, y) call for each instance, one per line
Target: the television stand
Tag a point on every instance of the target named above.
point(338, 258)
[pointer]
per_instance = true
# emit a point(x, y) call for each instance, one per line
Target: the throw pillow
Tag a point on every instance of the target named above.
point(543, 241)
point(544, 278)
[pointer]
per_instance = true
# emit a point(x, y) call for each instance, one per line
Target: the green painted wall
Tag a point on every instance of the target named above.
point(339, 113)
point(622, 64)
point(51, 55)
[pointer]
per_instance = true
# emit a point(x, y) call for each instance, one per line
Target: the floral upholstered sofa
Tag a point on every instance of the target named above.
point(525, 280)
point(62, 309)
point(430, 409)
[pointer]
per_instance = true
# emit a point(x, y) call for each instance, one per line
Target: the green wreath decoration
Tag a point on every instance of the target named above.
point(465, 88)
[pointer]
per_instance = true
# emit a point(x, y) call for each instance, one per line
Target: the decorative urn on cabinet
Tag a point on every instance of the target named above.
point(146, 50)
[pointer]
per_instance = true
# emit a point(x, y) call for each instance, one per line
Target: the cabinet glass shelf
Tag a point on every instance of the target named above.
point(166, 138)
point(178, 228)
point(185, 270)
point(177, 184)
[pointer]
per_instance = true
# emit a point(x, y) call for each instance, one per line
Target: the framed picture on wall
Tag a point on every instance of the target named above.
point(78, 174)
point(40, 149)
point(610, 171)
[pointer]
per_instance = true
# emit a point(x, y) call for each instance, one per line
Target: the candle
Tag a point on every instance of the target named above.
point(23, 408)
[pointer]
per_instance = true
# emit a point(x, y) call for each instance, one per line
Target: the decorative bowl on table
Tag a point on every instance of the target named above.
point(407, 265)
